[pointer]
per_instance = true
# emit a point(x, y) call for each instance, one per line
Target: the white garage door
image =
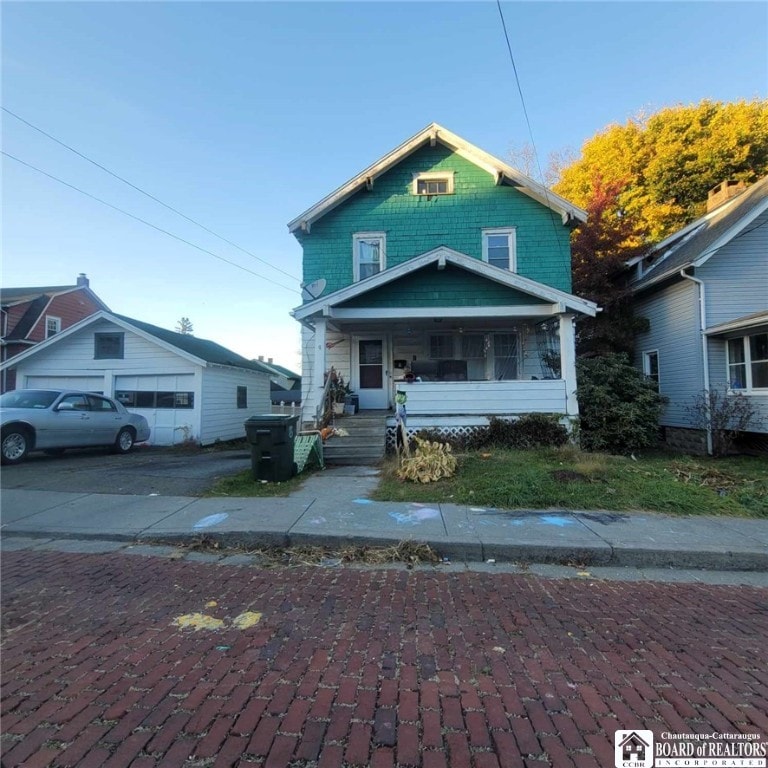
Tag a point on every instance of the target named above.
point(86, 383)
point(167, 401)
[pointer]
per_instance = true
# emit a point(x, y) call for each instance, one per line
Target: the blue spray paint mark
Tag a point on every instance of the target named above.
point(415, 516)
point(205, 522)
point(560, 522)
point(362, 501)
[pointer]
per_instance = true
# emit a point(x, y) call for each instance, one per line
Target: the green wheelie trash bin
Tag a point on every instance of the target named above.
point(271, 439)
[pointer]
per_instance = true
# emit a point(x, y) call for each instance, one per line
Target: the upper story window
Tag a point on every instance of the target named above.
point(52, 326)
point(369, 254)
point(499, 248)
point(433, 183)
point(748, 362)
point(108, 346)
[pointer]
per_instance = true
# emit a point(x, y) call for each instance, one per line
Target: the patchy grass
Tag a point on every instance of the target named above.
point(242, 484)
point(570, 479)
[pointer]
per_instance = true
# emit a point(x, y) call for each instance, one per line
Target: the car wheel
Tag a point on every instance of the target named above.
point(15, 445)
point(125, 440)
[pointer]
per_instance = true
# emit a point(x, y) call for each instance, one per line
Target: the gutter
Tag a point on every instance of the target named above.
point(704, 348)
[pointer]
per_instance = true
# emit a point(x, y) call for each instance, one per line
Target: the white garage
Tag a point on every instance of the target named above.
point(188, 389)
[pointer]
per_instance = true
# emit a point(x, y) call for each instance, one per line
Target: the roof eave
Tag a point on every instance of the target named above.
point(444, 255)
point(432, 133)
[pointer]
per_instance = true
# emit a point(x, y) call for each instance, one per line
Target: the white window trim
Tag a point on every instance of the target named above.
point(748, 389)
point(57, 320)
point(432, 176)
point(647, 367)
point(511, 233)
point(356, 238)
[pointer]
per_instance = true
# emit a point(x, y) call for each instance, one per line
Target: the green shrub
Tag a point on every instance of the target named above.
point(531, 430)
point(619, 407)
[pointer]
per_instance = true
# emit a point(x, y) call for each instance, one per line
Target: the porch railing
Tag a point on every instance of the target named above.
point(446, 398)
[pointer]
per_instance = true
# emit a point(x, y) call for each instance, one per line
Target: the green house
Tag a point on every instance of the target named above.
point(445, 273)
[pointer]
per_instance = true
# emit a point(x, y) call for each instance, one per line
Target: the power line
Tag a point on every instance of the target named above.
point(144, 221)
point(527, 119)
point(147, 194)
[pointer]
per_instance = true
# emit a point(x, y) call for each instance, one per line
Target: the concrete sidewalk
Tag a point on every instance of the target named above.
point(333, 509)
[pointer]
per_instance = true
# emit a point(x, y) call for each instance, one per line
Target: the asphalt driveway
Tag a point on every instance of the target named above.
point(144, 471)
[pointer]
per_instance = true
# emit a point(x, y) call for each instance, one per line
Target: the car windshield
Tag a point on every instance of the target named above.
point(28, 398)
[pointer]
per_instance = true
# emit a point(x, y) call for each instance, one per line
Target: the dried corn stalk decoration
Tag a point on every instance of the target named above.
point(432, 461)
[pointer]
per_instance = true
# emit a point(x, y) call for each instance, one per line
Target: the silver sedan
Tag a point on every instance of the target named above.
point(52, 420)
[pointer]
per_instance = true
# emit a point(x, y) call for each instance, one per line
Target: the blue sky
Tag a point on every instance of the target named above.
point(242, 115)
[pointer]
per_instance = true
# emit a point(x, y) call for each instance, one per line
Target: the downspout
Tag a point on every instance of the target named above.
point(704, 349)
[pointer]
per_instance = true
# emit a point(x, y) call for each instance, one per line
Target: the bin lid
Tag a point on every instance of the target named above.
point(271, 418)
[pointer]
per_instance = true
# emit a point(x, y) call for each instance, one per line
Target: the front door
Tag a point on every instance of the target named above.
point(372, 372)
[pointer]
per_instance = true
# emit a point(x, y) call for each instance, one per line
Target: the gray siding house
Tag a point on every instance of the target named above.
point(704, 291)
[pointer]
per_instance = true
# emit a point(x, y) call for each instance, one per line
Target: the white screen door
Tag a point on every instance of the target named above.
point(372, 379)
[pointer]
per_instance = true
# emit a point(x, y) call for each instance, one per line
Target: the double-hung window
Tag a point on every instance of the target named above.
point(52, 326)
point(505, 356)
point(748, 362)
point(651, 366)
point(369, 254)
point(499, 248)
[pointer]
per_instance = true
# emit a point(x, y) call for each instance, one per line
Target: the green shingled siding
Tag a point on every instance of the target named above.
point(450, 287)
point(414, 225)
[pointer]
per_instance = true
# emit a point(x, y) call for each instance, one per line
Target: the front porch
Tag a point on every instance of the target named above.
point(460, 337)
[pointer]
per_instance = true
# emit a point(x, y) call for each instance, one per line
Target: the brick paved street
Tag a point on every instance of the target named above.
point(359, 667)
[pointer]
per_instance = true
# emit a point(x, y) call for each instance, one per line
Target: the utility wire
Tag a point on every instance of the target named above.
point(144, 221)
point(147, 194)
point(527, 119)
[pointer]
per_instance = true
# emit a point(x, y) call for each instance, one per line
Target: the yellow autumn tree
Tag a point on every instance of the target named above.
point(666, 162)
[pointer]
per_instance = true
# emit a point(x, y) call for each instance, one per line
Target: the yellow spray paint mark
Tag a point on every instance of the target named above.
point(247, 619)
point(211, 604)
point(198, 621)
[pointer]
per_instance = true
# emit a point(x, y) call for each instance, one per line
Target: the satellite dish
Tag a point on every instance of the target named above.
point(310, 291)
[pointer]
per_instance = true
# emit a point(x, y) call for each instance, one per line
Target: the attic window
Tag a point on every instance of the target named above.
point(433, 183)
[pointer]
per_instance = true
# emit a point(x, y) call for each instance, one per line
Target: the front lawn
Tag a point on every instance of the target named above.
point(243, 485)
point(569, 479)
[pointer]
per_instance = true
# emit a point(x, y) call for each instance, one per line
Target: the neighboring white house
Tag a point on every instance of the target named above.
point(187, 388)
point(704, 291)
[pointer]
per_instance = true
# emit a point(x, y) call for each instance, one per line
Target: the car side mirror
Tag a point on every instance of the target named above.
point(65, 407)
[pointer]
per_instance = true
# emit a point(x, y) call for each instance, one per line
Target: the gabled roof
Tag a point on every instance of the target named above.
point(433, 133)
point(694, 244)
point(38, 299)
point(11, 296)
point(29, 319)
point(442, 256)
point(197, 350)
point(284, 371)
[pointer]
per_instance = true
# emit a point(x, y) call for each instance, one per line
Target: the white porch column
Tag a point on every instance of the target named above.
point(319, 372)
point(568, 363)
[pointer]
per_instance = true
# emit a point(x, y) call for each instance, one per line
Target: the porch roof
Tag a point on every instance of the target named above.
point(754, 320)
point(547, 300)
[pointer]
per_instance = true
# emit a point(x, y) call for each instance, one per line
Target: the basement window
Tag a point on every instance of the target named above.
point(433, 183)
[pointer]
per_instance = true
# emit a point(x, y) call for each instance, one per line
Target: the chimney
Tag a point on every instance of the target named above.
point(261, 358)
point(269, 361)
point(723, 192)
point(82, 281)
